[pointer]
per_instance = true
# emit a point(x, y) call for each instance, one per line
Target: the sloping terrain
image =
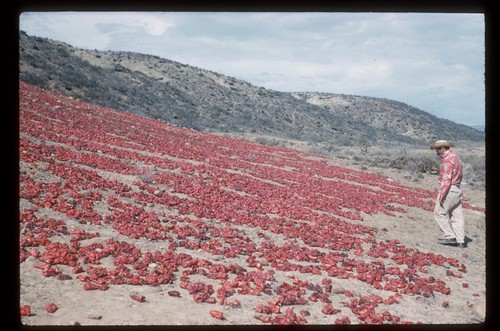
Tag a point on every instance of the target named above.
point(390, 120)
point(126, 220)
point(207, 101)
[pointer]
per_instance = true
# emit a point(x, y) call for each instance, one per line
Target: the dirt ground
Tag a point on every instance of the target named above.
point(281, 235)
point(465, 305)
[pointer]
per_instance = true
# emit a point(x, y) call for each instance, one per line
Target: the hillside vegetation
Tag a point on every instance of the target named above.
point(208, 101)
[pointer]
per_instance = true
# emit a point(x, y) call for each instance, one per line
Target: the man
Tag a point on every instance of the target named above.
point(448, 211)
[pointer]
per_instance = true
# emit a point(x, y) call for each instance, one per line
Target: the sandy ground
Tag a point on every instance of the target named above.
point(273, 261)
point(115, 306)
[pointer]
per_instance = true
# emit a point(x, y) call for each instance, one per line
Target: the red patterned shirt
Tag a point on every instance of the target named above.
point(450, 172)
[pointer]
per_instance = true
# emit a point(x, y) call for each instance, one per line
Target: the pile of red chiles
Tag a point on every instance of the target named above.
point(195, 192)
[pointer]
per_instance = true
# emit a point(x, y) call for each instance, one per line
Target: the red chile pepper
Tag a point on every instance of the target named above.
point(138, 298)
point(25, 310)
point(217, 314)
point(51, 308)
point(174, 293)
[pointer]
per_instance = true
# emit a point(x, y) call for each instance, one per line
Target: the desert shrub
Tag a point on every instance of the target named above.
point(147, 174)
point(418, 164)
point(474, 168)
point(266, 141)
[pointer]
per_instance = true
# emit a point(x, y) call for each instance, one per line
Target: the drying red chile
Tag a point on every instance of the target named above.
point(211, 197)
point(51, 308)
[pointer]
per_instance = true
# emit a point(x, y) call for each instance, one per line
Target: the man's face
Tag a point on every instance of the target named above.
point(440, 151)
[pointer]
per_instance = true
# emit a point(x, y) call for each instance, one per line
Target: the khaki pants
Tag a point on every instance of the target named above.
point(449, 216)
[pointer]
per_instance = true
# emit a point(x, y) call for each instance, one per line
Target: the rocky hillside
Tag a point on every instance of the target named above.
point(388, 118)
point(208, 101)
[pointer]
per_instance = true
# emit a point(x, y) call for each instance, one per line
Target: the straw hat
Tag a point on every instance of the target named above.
point(441, 143)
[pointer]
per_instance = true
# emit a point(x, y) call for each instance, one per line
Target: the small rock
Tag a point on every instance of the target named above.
point(424, 301)
point(92, 314)
point(479, 311)
point(336, 289)
point(156, 289)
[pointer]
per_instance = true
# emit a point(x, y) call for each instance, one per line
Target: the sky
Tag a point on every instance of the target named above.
point(431, 61)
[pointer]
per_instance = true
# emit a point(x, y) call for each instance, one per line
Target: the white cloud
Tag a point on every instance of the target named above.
point(92, 29)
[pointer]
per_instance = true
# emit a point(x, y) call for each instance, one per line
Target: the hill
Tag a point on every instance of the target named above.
point(125, 220)
point(207, 101)
point(391, 120)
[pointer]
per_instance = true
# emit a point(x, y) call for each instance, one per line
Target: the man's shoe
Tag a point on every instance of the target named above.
point(462, 245)
point(447, 241)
